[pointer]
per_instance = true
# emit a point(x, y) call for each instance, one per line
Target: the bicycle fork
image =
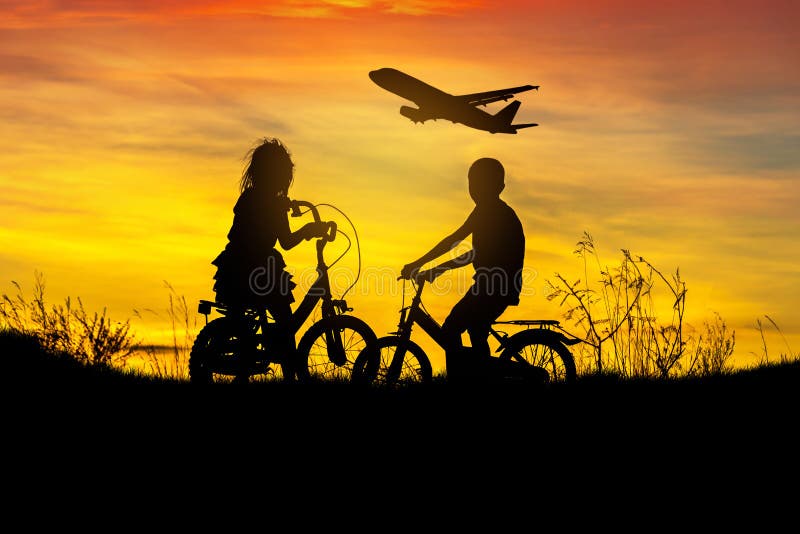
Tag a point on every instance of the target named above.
point(333, 335)
point(333, 341)
point(404, 334)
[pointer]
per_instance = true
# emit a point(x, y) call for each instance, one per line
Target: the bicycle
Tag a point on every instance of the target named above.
point(242, 343)
point(397, 360)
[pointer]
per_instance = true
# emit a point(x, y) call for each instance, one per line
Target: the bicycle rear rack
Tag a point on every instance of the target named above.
point(548, 324)
point(531, 322)
point(205, 306)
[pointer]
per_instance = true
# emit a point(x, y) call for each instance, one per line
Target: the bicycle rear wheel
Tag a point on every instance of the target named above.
point(219, 354)
point(374, 364)
point(541, 348)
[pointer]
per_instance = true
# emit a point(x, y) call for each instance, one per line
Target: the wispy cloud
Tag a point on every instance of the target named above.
point(745, 154)
point(30, 14)
point(25, 67)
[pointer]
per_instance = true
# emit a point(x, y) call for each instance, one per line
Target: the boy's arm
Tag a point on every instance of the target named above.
point(444, 246)
point(460, 261)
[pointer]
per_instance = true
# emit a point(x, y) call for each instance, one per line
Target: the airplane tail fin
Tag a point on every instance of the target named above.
point(506, 115)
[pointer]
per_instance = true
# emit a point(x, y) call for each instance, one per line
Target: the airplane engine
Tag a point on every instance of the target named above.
point(414, 114)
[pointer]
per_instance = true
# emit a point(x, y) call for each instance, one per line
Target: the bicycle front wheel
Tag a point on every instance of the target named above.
point(328, 350)
point(541, 348)
point(374, 366)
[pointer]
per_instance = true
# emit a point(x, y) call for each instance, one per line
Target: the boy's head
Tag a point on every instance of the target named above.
point(486, 179)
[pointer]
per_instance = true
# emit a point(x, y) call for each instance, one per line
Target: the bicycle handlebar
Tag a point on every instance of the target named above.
point(331, 235)
point(297, 204)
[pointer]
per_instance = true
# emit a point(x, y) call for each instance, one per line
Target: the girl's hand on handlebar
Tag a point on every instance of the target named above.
point(315, 229)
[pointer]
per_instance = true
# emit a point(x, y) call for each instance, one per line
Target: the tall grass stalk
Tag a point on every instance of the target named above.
point(622, 320)
point(172, 361)
point(712, 350)
point(784, 357)
point(89, 337)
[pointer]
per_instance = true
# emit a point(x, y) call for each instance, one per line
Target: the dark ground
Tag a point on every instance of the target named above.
point(458, 452)
point(761, 401)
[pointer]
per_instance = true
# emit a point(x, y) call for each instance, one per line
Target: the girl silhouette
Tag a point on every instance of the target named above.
point(250, 270)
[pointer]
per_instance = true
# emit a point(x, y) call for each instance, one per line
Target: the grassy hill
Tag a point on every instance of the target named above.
point(60, 414)
point(769, 389)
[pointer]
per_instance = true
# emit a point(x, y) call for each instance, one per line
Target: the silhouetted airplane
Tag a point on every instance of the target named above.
point(435, 104)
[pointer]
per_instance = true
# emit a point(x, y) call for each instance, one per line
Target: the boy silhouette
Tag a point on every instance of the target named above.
point(498, 252)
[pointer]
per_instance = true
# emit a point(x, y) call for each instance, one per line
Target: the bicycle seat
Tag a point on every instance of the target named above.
point(530, 322)
point(205, 306)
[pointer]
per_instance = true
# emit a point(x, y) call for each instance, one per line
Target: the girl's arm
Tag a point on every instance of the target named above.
point(289, 239)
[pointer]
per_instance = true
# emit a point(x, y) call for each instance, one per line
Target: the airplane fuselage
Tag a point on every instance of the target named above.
point(434, 103)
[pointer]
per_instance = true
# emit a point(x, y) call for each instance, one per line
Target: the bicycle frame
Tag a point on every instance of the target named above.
point(319, 290)
point(415, 314)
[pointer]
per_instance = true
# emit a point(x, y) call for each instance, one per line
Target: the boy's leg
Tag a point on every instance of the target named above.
point(462, 362)
point(487, 310)
point(487, 313)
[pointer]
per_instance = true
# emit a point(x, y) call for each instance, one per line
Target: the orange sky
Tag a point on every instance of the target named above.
point(670, 130)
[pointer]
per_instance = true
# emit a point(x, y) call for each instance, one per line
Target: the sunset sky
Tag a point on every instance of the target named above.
point(668, 128)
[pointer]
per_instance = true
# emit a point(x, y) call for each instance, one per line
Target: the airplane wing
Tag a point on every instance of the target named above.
point(481, 99)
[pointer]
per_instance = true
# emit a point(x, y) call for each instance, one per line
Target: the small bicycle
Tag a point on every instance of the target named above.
point(397, 360)
point(241, 345)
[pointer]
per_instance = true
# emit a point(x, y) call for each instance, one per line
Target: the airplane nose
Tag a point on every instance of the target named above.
point(383, 77)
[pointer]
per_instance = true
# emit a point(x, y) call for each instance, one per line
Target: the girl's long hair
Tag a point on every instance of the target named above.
point(269, 165)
